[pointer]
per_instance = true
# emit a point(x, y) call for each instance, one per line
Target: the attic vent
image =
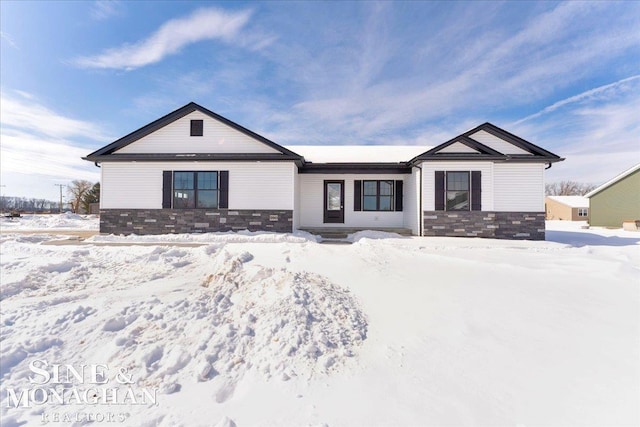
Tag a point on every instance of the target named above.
point(196, 128)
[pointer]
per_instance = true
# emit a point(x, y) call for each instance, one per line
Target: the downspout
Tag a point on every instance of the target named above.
point(96, 163)
point(549, 166)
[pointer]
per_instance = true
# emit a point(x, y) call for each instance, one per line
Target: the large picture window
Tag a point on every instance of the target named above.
point(457, 191)
point(195, 190)
point(377, 195)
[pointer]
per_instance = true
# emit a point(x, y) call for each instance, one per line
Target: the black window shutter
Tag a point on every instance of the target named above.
point(476, 190)
point(399, 196)
point(357, 195)
point(166, 189)
point(223, 203)
point(439, 201)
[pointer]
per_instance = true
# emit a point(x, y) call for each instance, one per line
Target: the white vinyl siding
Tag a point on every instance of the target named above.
point(497, 144)
point(519, 187)
point(252, 185)
point(428, 181)
point(457, 147)
point(176, 138)
point(296, 199)
point(411, 196)
point(312, 202)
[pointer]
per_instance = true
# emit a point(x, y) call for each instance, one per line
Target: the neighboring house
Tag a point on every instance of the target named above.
point(617, 200)
point(195, 171)
point(567, 208)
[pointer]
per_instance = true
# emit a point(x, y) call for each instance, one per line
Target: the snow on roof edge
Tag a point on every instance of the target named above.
point(612, 181)
point(571, 201)
point(358, 153)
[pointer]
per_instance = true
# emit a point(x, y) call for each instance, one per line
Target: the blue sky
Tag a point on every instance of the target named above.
point(75, 76)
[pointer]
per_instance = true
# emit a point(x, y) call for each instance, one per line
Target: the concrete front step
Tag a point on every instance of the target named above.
point(343, 232)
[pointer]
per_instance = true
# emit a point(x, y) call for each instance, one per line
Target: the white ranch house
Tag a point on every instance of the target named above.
point(196, 171)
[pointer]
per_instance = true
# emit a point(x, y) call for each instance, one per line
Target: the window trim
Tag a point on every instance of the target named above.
point(583, 212)
point(378, 196)
point(446, 190)
point(195, 188)
point(197, 127)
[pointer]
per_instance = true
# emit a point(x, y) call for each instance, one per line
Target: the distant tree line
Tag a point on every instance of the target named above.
point(25, 204)
point(81, 195)
point(567, 188)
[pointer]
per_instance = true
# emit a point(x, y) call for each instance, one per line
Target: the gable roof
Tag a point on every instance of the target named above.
point(465, 140)
point(571, 201)
point(107, 152)
point(367, 157)
point(612, 181)
point(534, 153)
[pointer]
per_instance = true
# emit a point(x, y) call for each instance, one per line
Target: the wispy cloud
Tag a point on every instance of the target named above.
point(378, 83)
point(105, 9)
point(589, 94)
point(39, 142)
point(29, 154)
point(6, 37)
point(25, 95)
point(27, 114)
point(597, 131)
point(203, 24)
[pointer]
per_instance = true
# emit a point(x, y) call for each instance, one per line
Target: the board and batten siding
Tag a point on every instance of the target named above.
point(252, 185)
point(176, 138)
point(497, 144)
point(311, 193)
point(518, 187)
point(428, 181)
point(457, 147)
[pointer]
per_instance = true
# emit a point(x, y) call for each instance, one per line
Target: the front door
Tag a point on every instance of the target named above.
point(334, 202)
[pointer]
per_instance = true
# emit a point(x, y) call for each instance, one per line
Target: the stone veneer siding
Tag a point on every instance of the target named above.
point(163, 221)
point(496, 225)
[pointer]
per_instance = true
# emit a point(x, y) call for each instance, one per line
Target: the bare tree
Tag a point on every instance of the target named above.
point(567, 188)
point(91, 196)
point(76, 191)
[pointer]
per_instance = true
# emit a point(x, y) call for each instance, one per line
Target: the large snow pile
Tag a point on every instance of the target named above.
point(177, 316)
point(65, 221)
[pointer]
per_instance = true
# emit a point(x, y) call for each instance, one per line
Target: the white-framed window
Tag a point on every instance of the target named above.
point(583, 212)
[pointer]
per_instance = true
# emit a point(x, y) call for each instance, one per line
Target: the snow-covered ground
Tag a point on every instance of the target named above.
point(65, 221)
point(280, 330)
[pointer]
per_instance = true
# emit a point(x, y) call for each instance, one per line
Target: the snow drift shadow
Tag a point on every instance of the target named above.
point(580, 239)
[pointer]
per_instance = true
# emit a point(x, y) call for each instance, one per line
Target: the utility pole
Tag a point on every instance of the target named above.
point(60, 185)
